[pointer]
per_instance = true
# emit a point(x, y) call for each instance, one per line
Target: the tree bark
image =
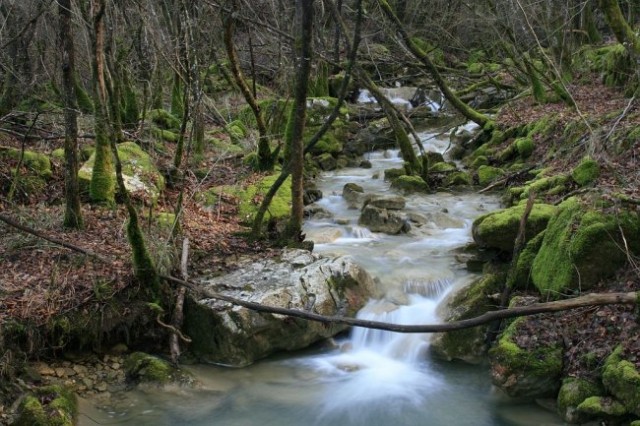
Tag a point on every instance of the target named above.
point(72, 212)
point(622, 30)
point(295, 127)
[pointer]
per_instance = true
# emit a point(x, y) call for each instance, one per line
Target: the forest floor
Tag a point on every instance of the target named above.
point(39, 280)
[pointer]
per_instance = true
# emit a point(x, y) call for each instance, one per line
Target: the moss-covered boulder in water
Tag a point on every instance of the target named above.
point(621, 378)
point(410, 184)
point(141, 176)
point(487, 174)
point(525, 372)
point(48, 406)
point(470, 301)
point(140, 368)
point(573, 392)
point(499, 229)
point(601, 407)
point(582, 246)
point(442, 167)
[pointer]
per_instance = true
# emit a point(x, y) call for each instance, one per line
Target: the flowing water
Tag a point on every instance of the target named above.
point(370, 377)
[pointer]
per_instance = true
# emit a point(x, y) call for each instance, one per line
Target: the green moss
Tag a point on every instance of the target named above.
point(521, 277)
point(622, 379)
point(499, 229)
point(487, 174)
point(164, 119)
point(249, 198)
point(480, 160)
point(391, 174)
point(410, 184)
point(165, 135)
point(328, 144)
point(459, 178)
point(581, 247)
point(58, 154)
point(541, 361)
point(237, 130)
point(542, 184)
point(38, 163)
point(525, 147)
point(48, 406)
point(586, 172)
point(572, 393)
point(476, 68)
point(442, 167)
point(599, 406)
point(144, 368)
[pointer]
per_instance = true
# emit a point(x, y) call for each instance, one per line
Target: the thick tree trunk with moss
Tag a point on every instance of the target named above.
point(265, 158)
point(295, 128)
point(463, 108)
point(622, 30)
point(102, 185)
point(72, 211)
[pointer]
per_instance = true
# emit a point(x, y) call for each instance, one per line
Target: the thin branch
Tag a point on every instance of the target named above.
point(595, 299)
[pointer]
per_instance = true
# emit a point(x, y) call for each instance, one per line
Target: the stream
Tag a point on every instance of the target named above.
point(369, 377)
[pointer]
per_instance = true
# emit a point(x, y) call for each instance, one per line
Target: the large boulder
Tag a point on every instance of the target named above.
point(141, 177)
point(469, 301)
point(621, 379)
point(583, 246)
point(382, 220)
point(499, 229)
point(573, 392)
point(48, 406)
point(226, 334)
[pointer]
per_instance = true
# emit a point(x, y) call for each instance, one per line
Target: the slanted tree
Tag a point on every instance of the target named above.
point(72, 212)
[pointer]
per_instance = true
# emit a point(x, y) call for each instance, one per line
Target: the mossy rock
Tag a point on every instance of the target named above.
point(328, 143)
point(622, 379)
point(582, 246)
point(58, 154)
point(164, 119)
point(487, 174)
point(141, 176)
point(458, 179)
point(572, 393)
point(533, 372)
point(480, 160)
point(442, 167)
point(165, 135)
point(249, 198)
point(391, 174)
point(48, 406)
point(433, 157)
point(140, 368)
point(34, 161)
point(499, 229)
point(224, 146)
point(586, 172)
point(237, 130)
point(544, 184)
point(410, 184)
point(469, 345)
point(327, 162)
point(524, 147)
point(601, 407)
point(522, 275)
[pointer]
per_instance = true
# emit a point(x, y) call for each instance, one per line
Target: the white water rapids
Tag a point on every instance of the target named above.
point(371, 378)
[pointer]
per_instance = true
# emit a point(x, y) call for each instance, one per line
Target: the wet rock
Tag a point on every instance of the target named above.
point(354, 195)
point(311, 196)
point(381, 220)
point(323, 235)
point(46, 406)
point(387, 202)
point(316, 212)
point(233, 335)
point(144, 368)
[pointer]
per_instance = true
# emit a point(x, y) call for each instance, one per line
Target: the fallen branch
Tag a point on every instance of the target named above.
point(506, 179)
point(596, 299)
point(39, 234)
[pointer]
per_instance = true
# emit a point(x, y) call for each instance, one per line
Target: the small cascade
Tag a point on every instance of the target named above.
point(429, 289)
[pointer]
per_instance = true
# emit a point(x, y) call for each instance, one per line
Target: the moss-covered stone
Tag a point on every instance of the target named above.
point(543, 184)
point(442, 167)
point(572, 393)
point(586, 172)
point(164, 119)
point(237, 130)
point(480, 160)
point(140, 367)
point(532, 372)
point(327, 162)
point(469, 345)
point(36, 162)
point(581, 247)
point(165, 135)
point(601, 407)
point(487, 174)
point(622, 379)
point(58, 154)
point(499, 229)
point(458, 179)
point(391, 174)
point(522, 275)
point(48, 406)
point(410, 184)
point(524, 146)
point(141, 177)
point(249, 198)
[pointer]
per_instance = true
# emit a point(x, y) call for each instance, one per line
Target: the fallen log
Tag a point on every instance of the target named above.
point(594, 299)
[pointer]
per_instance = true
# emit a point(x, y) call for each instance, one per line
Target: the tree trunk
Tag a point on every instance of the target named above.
point(102, 184)
point(463, 108)
point(295, 127)
point(265, 158)
point(622, 30)
point(72, 212)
